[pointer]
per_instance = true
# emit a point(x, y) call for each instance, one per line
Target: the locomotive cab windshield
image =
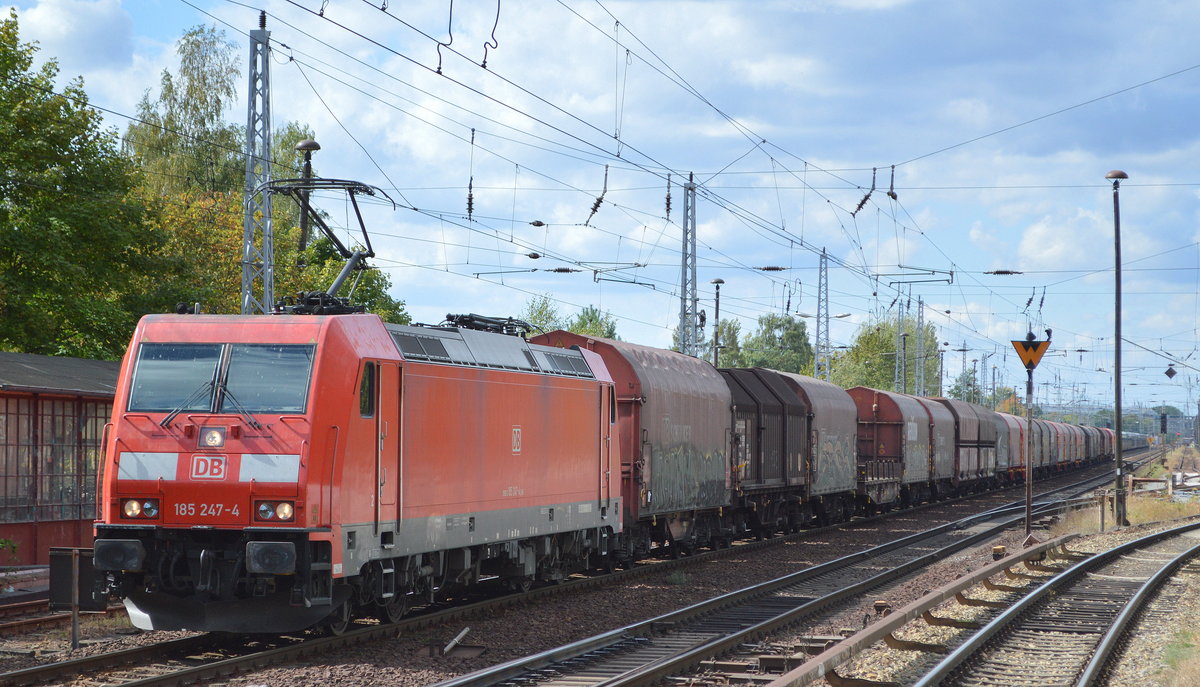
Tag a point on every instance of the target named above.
point(221, 378)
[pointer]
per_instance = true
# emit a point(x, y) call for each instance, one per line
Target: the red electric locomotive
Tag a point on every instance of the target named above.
point(268, 473)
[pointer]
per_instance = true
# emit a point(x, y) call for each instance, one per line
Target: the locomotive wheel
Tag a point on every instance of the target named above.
point(340, 620)
point(393, 609)
point(519, 584)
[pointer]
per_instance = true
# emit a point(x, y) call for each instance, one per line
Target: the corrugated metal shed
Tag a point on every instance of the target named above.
point(48, 374)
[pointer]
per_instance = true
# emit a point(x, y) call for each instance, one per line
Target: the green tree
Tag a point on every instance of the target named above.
point(1006, 400)
point(194, 175)
point(965, 387)
point(781, 343)
point(591, 321)
point(729, 334)
point(871, 359)
point(182, 141)
point(541, 312)
point(71, 233)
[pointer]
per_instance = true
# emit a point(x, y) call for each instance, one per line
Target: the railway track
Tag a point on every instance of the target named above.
point(204, 658)
point(672, 645)
point(30, 616)
point(1065, 632)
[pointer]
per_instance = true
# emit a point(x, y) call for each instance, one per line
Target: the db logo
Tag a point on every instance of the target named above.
point(516, 439)
point(208, 467)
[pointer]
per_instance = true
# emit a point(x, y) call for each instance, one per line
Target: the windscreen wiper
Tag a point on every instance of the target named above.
point(241, 409)
point(196, 395)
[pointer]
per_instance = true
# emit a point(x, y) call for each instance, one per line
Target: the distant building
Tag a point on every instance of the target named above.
point(52, 416)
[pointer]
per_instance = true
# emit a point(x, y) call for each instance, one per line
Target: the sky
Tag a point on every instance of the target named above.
point(993, 126)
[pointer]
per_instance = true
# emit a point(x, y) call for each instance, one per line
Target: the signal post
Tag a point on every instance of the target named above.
point(1031, 351)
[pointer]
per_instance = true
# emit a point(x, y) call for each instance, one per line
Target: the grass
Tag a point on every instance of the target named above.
point(1181, 457)
point(1178, 651)
point(96, 625)
point(1183, 662)
point(676, 578)
point(1139, 509)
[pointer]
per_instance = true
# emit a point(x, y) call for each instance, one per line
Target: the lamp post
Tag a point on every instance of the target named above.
point(973, 394)
point(942, 367)
point(1119, 504)
point(717, 322)
point(307, 146)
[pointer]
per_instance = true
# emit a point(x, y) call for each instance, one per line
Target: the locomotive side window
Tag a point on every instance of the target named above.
point(268, 378)
point(173, 376)
point(366, 392)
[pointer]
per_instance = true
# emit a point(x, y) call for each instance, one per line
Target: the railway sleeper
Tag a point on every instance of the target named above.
point(895, 642)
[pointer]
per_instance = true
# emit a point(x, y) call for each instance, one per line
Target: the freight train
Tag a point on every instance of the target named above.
point(272, 473)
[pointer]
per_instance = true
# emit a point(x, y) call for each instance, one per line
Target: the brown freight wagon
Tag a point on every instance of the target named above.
point(895, 455)
point(792, 450)
point(673, 416)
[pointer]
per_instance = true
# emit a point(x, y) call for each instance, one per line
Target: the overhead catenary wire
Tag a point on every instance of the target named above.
point(961, 290)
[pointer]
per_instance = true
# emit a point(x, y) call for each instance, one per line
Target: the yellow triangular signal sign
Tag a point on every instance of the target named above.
point(1031, 352)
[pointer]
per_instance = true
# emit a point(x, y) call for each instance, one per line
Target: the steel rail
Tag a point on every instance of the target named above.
point(977, 641)
point(226, 667)
point(1092, 672)
point(827, 661)
point(692, 655)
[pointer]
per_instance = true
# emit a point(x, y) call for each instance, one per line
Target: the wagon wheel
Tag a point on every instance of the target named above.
point(393, 609)
point(340, 620)
point(608, 564)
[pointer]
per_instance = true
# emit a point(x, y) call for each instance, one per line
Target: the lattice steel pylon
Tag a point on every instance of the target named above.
point(821, 367)
point(898, 371)
point(688, 325)
point(258, 246)
point(920, 381)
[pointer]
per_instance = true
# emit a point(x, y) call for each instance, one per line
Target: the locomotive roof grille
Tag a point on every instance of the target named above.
point(479, 349)
point(425, 347)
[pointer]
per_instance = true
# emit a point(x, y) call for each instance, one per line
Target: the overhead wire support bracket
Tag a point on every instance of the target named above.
point(531, 269)
point(918, 272)
point(596, 272)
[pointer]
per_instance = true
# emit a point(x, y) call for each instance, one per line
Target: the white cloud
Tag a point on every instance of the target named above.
point(788, 72)
point(969, 112)
point(85, 35)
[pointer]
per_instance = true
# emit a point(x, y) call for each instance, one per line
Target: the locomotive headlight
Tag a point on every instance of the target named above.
point(275, 510)
point(150, 508)
point(132, 508)
point(282, 511)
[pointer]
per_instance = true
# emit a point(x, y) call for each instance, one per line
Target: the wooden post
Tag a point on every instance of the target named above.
point(75, 597)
